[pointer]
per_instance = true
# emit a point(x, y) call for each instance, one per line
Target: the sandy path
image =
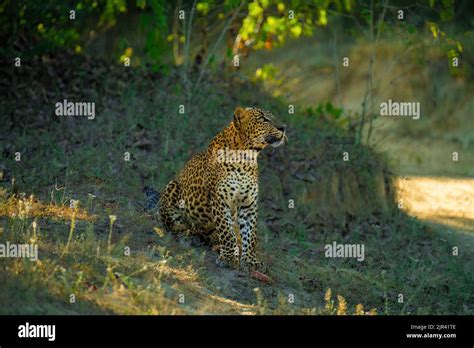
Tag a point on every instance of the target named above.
point(442, 201)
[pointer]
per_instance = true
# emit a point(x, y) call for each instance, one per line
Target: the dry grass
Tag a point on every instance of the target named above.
point(14, 206)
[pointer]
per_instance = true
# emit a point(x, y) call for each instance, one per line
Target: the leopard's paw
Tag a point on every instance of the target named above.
point(221, 262)
point(185, 241)
point(227, 262)
point(248, 266)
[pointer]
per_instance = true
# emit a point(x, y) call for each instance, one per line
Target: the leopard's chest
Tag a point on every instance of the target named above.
point(239, 186)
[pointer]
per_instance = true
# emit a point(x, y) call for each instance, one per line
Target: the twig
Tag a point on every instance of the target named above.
point(177, 58)
point(226, 27)
point(372, 61)
point(370, 81)
point(186, 57)
point(350, 17)
point(188, 38)
point(336, 64)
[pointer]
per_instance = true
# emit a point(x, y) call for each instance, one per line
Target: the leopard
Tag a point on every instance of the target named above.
point(215, 195)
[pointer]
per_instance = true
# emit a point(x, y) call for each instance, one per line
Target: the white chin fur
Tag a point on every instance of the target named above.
point(277, 144)
point(281, 142)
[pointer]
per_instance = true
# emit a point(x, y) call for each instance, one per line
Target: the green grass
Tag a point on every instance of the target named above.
point(78, 159)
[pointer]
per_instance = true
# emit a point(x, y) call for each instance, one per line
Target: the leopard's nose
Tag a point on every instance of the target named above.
point(282, 128)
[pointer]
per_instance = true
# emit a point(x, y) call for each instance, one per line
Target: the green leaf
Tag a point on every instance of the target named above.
point(141, 4)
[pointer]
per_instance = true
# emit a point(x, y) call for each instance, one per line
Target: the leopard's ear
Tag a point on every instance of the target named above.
point(239, 117)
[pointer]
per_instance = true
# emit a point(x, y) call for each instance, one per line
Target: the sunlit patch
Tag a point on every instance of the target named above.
point(15, 206)
point(441, 200)
point(159, 231)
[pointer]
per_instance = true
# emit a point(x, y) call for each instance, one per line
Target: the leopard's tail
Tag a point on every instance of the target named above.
point(152, 198)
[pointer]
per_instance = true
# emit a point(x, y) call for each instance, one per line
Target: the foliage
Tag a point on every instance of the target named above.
point(35, 27)
point(269, 23)
point(32, 28)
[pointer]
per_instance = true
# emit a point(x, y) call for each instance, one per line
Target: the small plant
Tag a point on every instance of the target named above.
point(112, 219)
point(341, 308)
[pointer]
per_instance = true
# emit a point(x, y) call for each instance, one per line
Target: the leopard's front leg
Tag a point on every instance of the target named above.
point(247, 220)
point(229, 250)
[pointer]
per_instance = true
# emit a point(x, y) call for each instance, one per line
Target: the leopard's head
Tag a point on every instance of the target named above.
point(259, 128)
